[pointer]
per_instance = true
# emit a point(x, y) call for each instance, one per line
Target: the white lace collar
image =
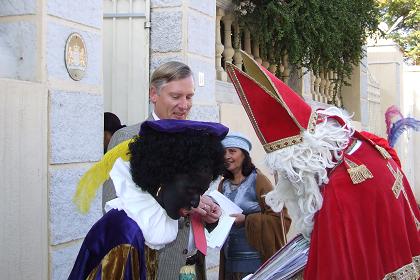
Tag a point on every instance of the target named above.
point(157, 227)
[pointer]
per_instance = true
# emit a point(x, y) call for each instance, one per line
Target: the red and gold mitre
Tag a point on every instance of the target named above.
point(278, 114)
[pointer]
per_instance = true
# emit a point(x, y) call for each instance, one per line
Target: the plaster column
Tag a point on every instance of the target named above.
point(273, 67)
point(265, 63)
point(256, 51)
point(220, 72)
point(229, 51)
point(237, 57)
point(247, 42)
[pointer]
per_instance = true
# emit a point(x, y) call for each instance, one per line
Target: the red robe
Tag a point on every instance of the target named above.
point(363, 231)
point(383, 143)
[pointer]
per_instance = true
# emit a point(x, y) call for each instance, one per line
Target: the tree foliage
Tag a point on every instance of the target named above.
point(316, 34)
point(407, 31)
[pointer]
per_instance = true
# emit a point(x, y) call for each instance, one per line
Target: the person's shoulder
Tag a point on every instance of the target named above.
point(261, 180)
point(259, 174)
point(131, 130)
point(123, 134)
point(121, 225)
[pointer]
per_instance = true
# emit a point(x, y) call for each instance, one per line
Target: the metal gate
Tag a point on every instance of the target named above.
point(126, 59)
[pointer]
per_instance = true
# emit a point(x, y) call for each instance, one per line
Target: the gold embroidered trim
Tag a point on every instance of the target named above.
point(358, 173)
point(152, 263)
point(381, 149)
point(411, 209)
point(282, 143)
point(279, 144)
point(398, 184)
point(398, 187)
point(312, 122)
point(410, 271)
point(276, 95)
point(247, 58)
point(383, 152)
point(115, 262)
point(292, 140)
point(230, 68)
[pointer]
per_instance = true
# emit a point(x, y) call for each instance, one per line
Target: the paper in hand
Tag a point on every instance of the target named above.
point(217, 237)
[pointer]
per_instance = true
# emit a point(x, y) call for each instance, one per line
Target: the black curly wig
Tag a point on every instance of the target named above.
point(157, 157)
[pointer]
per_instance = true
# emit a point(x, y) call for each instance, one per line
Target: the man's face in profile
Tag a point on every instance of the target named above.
point(174, 99)
point(183, 193)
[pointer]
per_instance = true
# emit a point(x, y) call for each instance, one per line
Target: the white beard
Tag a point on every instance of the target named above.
point(302, 169)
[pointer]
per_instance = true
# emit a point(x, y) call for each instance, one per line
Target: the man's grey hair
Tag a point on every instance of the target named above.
point(168, 72)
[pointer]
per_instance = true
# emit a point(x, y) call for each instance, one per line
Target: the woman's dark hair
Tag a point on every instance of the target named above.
point(111, 122)
point(157, 157)
point(247, 167)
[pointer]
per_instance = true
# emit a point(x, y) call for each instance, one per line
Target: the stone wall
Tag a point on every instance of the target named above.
point(23, 180)
point(75, 125)
point(23, 145)
point(52, 131)
point(185, 31)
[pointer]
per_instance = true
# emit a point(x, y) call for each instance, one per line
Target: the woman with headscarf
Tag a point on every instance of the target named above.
point(258, 232)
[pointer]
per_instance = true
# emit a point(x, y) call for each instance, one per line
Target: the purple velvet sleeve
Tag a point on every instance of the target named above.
point(114, 229)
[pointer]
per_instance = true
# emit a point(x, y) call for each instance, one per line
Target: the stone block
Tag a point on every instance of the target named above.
point(13, 8)
point(24, 215)
point(208, 113)
point(80, 11)
point(157, 60)
point(201, 38)
point(165, 3)
point(63, 258)
point(225, 93)
point(203, 94)
point(56, 41)
point(66, 222)
point(18, 50)
point(166, 31)
point(207, 7)
point(76, 127)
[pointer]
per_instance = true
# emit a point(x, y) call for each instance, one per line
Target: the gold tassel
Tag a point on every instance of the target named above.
point(383, 152)
point(187, 272)
point(97, 175)
point(358, 173)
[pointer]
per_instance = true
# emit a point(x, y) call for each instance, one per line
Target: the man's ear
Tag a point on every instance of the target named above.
point(153, 94)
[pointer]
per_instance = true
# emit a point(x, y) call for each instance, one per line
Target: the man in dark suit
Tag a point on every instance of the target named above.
point(171, 92)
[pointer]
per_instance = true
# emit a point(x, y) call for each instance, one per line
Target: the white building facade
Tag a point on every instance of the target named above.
point(52, 126)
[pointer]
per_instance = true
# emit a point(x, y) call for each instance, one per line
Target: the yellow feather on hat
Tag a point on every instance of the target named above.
point(97, 175)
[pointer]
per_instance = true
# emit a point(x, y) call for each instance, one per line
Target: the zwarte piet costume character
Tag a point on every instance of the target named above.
point(170, 165)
